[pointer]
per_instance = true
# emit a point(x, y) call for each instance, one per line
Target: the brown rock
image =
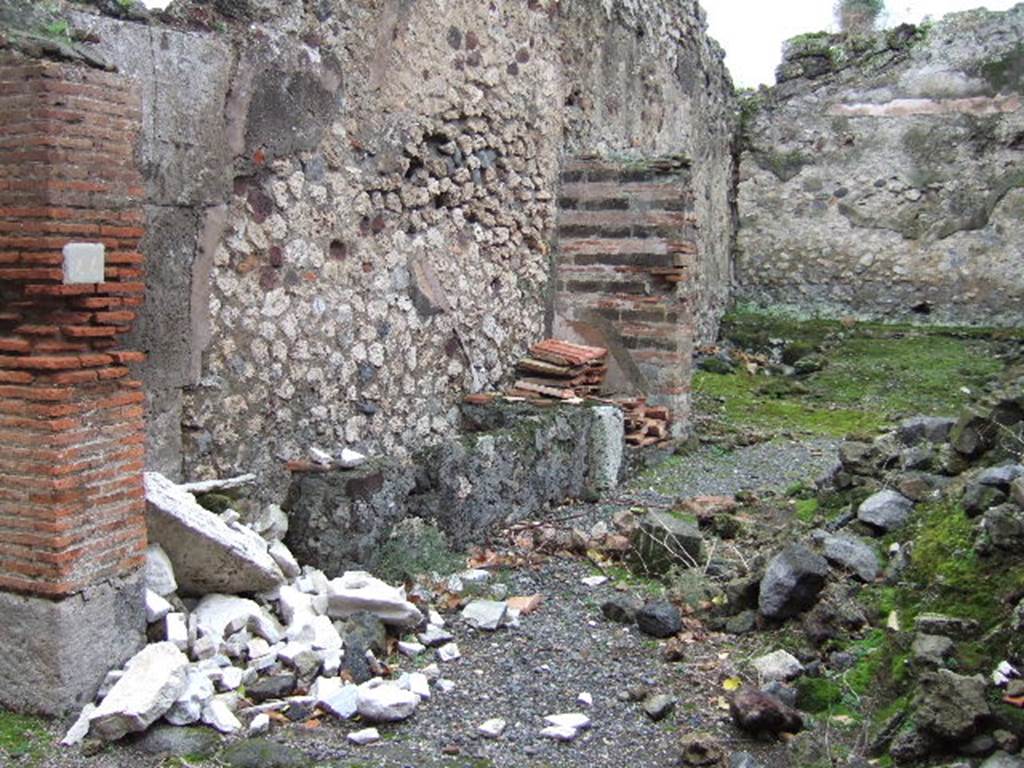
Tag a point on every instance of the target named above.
point(757, 712)
point(525, 604)
point(701, 749)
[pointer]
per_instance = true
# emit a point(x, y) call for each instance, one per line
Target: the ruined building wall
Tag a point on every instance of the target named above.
point(653, 84)
point(350, 205)
point(882, 177)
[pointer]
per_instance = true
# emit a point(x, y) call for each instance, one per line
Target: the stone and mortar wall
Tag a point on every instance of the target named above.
point(513, 462)
point(882, 177)
point(350, 206)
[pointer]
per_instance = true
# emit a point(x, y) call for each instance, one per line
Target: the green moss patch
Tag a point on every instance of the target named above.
point(806, 510)
point(875, 374)
point(24, 740)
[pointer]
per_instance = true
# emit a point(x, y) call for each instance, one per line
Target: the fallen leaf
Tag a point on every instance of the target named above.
point(732, 683)
point(526, 604)
point(1016, 701)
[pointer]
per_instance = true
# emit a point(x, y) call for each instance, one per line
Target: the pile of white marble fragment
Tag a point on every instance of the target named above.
point(211, 645)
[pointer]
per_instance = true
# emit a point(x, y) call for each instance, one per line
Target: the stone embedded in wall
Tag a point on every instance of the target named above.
point(427, 293)
point(883, 181)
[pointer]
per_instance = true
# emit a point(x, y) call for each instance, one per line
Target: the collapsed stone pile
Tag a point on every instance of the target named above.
point(972, 464)
point(301, 646)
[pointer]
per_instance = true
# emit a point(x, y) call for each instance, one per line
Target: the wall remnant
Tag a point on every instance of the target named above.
point(625, 259)
point(515, 460)
point(344, 278)
point(882, 176)
point(72, 533)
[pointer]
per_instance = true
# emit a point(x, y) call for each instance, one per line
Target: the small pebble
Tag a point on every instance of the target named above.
point(365, 736)
point(493, 728)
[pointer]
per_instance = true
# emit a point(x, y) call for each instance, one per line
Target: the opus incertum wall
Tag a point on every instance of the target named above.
point(72, 528)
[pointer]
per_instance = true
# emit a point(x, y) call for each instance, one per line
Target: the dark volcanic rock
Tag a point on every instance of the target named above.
point(791, 582)
point(885, 511)
point(978, 498)
point(663, 542)
point(659, 619)
point(951, 707)
point(622, 608)
point(974, 433)
point(850, 553)
point(1004, 526)
point(163, 739)
point(1000, 477)
point(919, 486)
point(369, 631)
point(273, 687)
point(924, 429)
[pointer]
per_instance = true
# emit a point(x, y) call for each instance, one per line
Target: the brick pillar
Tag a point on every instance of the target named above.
point(627, 248)
point(72, 527)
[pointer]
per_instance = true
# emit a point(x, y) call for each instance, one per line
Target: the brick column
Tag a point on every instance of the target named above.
point(627, 250)
point(72, 527)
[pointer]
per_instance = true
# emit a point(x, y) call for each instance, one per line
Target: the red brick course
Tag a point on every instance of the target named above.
point(627, 249)
point(71, 497)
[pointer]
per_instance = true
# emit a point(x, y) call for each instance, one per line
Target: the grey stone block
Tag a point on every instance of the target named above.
point(663, 541)
point(57, 652)
point(607, 443)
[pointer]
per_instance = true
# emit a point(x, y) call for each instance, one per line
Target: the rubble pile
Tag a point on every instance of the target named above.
point(561, 370)
point(241, 635)
point(645, 424)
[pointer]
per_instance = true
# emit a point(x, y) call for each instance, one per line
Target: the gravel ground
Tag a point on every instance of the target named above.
point(564, 648)
point(772, 465)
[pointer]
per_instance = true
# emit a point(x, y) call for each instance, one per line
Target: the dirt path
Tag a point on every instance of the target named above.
point(563, 649)
point(566, 648)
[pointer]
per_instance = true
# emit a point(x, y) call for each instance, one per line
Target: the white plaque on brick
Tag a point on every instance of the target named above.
point(83, 263)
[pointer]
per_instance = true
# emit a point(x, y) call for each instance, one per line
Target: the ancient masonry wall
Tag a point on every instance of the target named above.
point(882, 177)
point(625, 259)
point(350, 215)
point(72, 533)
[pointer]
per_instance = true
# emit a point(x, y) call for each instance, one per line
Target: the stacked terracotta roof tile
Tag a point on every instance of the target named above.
point(561, 370)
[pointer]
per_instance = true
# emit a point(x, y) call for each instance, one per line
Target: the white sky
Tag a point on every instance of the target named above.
point(752, 31)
